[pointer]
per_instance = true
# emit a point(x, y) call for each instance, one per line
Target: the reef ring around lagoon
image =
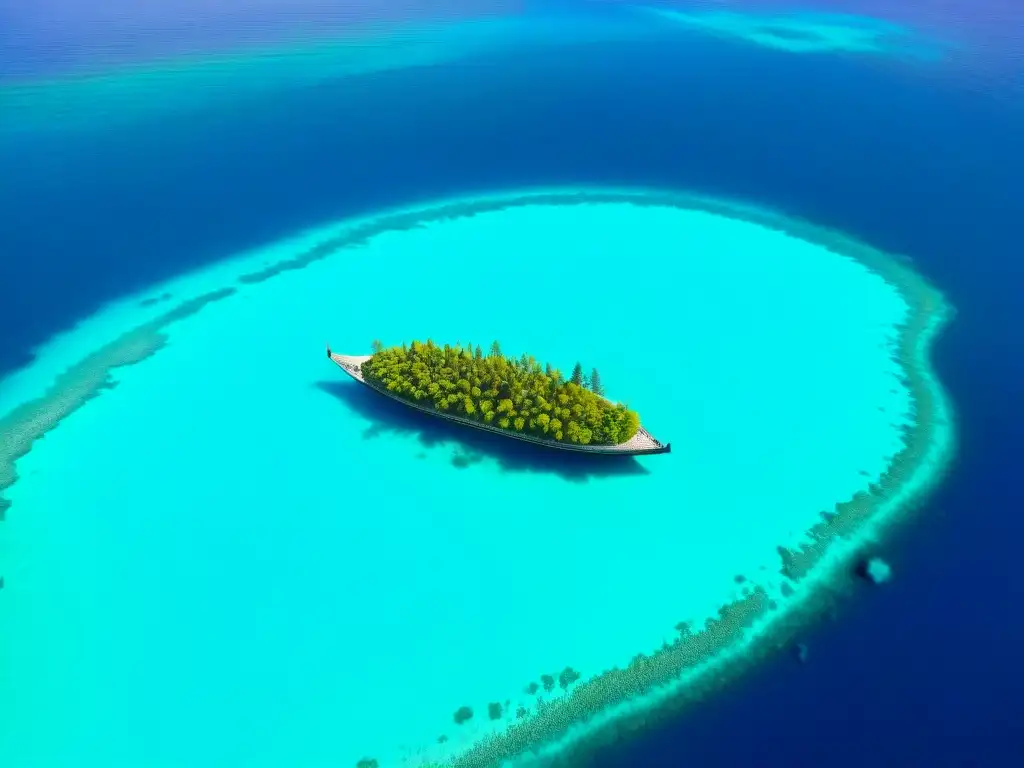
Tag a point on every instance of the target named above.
point(352, 583)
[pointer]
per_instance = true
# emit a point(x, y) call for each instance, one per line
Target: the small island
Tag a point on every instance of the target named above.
point(517, 397)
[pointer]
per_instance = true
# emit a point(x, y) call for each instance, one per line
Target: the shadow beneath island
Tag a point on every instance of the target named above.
point(469, 446)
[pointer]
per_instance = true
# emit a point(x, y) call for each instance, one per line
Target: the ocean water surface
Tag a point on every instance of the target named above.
point(784, 236)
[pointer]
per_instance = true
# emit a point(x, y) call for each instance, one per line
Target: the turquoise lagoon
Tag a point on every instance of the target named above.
point(238, 556)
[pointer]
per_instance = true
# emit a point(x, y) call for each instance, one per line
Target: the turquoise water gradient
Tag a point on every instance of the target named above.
point(115, 94)
point(240, 557)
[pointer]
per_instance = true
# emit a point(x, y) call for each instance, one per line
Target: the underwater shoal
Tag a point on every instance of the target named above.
point(237, 555)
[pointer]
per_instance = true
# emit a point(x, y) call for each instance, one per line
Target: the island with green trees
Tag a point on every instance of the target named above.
point(515, 397)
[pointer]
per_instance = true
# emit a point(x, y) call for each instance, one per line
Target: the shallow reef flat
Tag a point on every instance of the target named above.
point(205, 516)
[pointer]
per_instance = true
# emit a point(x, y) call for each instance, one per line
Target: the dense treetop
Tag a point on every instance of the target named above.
point(514, 394)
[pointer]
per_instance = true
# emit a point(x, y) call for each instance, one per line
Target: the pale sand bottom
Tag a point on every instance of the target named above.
point(339, 597)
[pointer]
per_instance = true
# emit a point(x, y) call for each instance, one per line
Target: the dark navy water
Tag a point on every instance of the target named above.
point(925, 670)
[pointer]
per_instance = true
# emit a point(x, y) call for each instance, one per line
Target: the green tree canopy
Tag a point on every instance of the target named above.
point(518, 395)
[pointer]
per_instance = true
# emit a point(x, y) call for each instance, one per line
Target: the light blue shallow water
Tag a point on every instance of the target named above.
point(238, 556)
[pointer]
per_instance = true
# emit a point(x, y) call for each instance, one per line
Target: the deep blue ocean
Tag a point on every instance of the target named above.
point(925, 670)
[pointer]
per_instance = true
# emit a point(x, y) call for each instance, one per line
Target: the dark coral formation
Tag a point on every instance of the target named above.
point(567, 677)
point(554, 718)
point(463, 459)
point(154, 300)
point(926, 305)
point(462, 714)
point(494, 710)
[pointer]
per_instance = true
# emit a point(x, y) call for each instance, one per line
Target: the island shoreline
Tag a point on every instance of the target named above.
point(603, 450)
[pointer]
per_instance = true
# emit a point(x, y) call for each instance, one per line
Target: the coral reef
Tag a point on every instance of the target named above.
point(83, 381)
